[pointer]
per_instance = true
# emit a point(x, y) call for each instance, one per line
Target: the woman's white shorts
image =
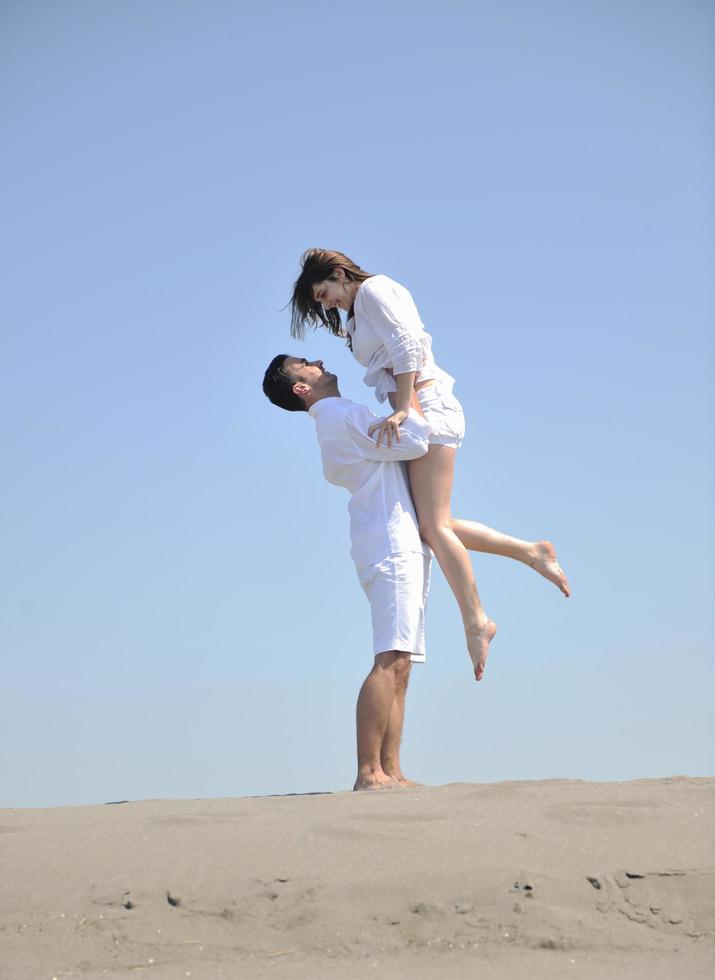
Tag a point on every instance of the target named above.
point(444, 413)
point(397, 589)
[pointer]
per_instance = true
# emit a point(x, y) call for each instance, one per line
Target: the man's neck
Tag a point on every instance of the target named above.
point(333, 393)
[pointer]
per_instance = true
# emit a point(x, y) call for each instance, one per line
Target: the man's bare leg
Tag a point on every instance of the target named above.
point(539, 555)
point(374, 711)
point(390, 748)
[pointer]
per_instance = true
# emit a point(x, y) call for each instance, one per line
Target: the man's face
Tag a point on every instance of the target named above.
point(311, 373)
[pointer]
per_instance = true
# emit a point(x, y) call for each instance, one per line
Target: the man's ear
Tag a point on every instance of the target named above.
point(301, 389)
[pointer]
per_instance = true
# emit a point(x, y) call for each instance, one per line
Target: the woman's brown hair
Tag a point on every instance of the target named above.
point(317, 265)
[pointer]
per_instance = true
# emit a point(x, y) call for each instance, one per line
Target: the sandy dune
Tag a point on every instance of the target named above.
point(529, 879)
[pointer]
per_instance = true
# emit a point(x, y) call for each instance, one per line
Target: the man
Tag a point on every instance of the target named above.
point(393, 563)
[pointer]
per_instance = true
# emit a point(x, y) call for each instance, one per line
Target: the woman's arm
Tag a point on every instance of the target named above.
point(392, 314)
point(389, 429)
point(414, 442)
point(405, 386)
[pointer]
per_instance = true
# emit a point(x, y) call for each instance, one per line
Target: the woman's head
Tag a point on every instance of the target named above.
point(327, 283)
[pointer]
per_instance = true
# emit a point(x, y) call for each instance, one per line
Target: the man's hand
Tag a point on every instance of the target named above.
point(388, 429)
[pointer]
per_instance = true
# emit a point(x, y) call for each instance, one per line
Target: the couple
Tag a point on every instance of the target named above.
point(392, 518)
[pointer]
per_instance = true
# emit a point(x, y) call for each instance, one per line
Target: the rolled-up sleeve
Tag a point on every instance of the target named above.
point(392, 313)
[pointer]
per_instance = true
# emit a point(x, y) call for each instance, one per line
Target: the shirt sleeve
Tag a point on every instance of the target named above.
point(391, 312)
point(414, 436)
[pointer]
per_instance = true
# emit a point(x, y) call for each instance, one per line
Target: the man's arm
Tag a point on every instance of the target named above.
point(413, 442)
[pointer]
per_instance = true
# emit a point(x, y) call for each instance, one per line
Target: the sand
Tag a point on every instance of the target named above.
point(553, 879)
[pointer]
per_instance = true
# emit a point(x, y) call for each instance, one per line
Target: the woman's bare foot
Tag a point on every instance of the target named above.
point(374, 780)
point(479, 637)
point(544, 561)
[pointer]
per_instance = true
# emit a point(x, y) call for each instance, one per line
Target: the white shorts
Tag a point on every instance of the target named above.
point(444, 413)
point(397, 589)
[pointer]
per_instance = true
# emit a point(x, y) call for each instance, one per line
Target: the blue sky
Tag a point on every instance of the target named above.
point(180, 614)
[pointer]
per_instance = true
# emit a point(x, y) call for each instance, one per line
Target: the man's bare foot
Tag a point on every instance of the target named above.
point(545, 563)
point(479, 637)
point(374, 780)
point(400, 777)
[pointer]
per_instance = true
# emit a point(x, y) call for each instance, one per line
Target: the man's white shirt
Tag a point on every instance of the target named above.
point(382, 515)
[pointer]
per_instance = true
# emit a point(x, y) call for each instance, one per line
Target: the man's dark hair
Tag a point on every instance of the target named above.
point(278, 386)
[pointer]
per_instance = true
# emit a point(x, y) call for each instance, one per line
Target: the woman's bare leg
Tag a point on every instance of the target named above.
point(431, 479)
point(539, 555)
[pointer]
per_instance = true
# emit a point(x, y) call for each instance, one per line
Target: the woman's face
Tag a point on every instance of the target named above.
point(336, 292)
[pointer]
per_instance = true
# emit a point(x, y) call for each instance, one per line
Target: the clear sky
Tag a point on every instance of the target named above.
point(180, 615)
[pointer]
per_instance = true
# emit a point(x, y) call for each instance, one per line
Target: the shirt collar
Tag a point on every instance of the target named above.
point(318, 406)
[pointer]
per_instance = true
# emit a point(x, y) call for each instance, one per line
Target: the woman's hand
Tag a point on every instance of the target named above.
point(388, 429)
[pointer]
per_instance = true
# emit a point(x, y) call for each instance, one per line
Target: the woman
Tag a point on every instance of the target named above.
point(385, 334)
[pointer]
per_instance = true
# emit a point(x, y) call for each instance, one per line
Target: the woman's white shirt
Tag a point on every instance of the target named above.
point(386, 332)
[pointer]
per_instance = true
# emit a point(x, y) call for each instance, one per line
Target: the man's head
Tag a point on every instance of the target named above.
point(295, 384)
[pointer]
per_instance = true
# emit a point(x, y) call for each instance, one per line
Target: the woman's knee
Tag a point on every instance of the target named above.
point(432, 531)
